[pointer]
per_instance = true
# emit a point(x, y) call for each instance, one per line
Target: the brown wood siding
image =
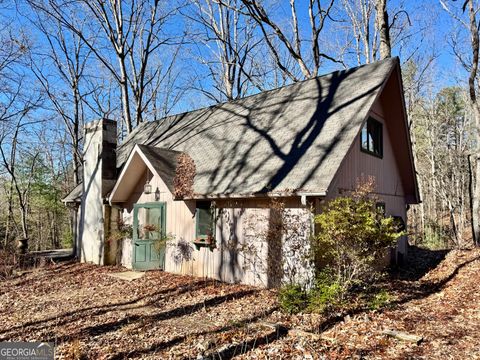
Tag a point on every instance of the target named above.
point(358, 166)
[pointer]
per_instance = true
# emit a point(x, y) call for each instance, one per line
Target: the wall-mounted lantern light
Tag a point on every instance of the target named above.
point(147, 189)
point(157, 194)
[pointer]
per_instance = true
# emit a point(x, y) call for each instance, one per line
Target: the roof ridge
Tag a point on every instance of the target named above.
point(158, 148)
point(235, 101)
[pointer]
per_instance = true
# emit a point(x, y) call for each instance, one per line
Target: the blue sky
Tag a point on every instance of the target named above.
point(431, 26)
point(431, 31)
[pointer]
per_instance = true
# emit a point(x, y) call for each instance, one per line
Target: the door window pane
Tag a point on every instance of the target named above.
point(149, 223)
point(154, 222)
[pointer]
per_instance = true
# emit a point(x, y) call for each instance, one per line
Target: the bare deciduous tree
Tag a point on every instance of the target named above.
point(308, 59)
point(123, 37)
point(15, 104)
point(20, 185)
point(384, 29)
point(67, 56)
point(360, 13)
point(471, 25)
point(228, 35)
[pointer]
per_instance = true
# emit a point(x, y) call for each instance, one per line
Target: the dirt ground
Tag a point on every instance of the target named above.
point(90, 315)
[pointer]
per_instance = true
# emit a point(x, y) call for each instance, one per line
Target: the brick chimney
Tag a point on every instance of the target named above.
point(99, 175)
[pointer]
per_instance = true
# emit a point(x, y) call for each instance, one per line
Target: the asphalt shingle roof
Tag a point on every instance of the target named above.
point(288, 139)
point(164, 161)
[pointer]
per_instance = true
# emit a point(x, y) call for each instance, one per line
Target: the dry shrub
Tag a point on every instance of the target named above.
point(75, 351)
point(184, 177)
point(183, 252)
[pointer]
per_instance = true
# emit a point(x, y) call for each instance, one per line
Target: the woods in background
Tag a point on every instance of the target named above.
point(64, 63)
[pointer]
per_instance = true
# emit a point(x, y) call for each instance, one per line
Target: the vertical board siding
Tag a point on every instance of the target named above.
point(241, 251)
point(358, 166)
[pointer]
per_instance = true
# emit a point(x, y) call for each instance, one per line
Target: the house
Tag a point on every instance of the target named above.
point(214, 182)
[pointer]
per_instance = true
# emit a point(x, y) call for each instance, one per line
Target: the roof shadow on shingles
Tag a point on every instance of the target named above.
point(305, 136)
point(164, 162)
point(292, 138)
point(343, 132)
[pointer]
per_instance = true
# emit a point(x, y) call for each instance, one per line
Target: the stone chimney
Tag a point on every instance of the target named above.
point(99, 175)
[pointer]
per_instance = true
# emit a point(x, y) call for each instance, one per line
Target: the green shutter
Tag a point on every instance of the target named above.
point(205, 220)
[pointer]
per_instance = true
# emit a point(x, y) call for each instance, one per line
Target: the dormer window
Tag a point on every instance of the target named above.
point(371, 138)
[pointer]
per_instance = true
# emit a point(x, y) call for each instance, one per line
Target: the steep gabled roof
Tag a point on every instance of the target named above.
point(288, 139)
point(161, 162)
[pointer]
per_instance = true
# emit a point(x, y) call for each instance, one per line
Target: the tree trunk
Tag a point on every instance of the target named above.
point(476, 201)
point(475, 187)
point(125, 96)
point(24, 215)
point(475, 193)
point(9, 215)
point(74, 230)
point(384, 30)
point(76, 153)
point(473, 203)
point(453, 223)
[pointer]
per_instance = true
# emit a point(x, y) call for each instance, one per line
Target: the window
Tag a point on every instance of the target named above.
point(371, 140)
point(205, 224)
point(399, 223)
point(380, 207)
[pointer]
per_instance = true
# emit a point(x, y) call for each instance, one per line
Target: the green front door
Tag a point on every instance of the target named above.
point(149, 236)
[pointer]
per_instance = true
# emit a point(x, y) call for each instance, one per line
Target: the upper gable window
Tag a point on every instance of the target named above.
point(371, 138)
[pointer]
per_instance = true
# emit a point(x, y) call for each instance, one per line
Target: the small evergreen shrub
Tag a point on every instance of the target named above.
point(352, 236)
point(293, 298)
point(326, 293)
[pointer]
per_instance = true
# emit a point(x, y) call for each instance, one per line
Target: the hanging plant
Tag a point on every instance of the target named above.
point(150, 227)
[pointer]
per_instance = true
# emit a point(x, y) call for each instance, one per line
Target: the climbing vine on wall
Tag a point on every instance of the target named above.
point(184, 177)
point(285, 233)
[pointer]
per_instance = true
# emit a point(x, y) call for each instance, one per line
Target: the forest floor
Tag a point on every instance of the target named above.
point(90, 315)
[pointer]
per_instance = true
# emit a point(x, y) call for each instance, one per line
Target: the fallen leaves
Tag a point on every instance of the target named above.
point(85, 311)
point(91, 315)
point(442, 307)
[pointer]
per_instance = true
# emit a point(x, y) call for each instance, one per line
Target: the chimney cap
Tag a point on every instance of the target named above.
point(95, 123)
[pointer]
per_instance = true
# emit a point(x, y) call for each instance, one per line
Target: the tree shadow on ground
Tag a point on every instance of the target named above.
point(409, 274)
point(229, 351)
point(55, 272)
point(144, 320)
point(422, 289)
point(97, 310)
point(164, 345)
point(408, 285)
point(419, 262)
